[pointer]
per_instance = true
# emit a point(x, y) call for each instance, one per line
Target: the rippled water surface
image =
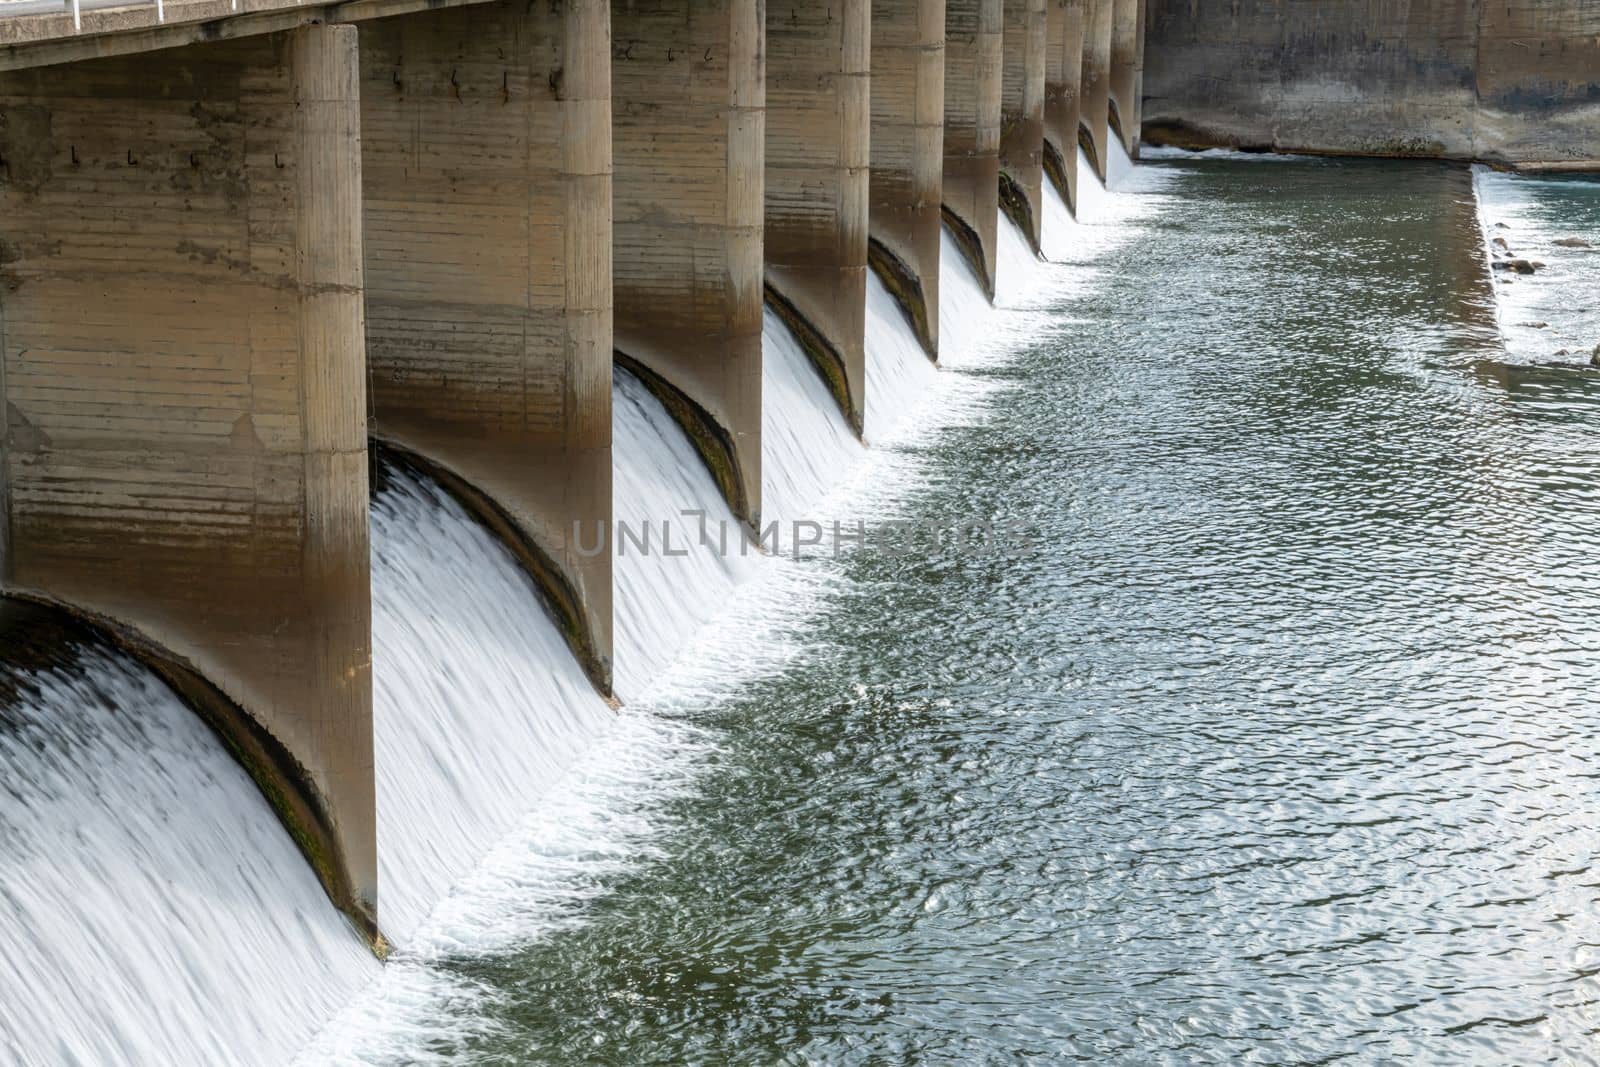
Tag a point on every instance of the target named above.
point(1280, 746)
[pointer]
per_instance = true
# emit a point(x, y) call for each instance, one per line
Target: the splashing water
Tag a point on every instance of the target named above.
point(478, 705)
point(898, 370)
point(806, 445)
point(1555, 221)
point(663, 601)
point(155, 909)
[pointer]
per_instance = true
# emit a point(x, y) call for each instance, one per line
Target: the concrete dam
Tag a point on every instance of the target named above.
point(400, 396)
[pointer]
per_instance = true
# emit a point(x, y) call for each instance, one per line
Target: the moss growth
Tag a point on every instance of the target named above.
point(906, 288)
point(971, 246)
point(712, 443)
point(823, 356)
point(1014, 202)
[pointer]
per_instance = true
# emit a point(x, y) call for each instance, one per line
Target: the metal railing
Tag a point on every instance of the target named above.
point(16, 8)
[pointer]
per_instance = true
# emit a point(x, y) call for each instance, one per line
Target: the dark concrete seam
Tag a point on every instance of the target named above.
point(820, 352)
point(556, 593)
point(906, 288)
point(971, 246)
point(282, 779)
point(712, 441)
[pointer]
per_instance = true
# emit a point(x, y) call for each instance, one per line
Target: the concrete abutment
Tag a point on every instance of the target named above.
point(688, 98)
point(487, 163)
point(907, 173)
point(818, 133)
point(185, 448)
point(974, 62)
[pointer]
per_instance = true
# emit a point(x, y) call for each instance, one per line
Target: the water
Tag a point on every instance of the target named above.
point(1276, 749)
point(1551, 315)
point(899, 372)
point(154, 909)
point(806, 445)
point(663, 602)
point(478, 706)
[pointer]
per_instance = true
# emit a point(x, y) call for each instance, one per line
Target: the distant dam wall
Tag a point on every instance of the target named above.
point(1512, 82)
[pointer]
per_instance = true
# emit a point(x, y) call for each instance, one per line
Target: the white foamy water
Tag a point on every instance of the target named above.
point(154, 909)
point(660, 488)
point(479, 707)
point(898, 370)
point(1173, 154)
point(1119, 165)
point(1553, 314)
point(806, 445)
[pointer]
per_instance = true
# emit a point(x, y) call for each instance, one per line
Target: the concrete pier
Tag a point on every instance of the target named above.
point(1022, 117)
point(907, 182)
point(1063, 80)
point(688, 99)
point(487, 160)
point(185, 452)
point(1127, 72)
point(818, 122)
point(1094, 94)
point(974, 58)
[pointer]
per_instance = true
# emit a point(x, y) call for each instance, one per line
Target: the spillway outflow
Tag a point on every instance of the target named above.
point(156, 911)
point(898, 370)
point(806, 446)
point(478, 705)
point(661, 489)
point(1551, 227)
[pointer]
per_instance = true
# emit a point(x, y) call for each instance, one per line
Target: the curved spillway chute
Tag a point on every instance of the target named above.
point(283, 780)
point(824, 356)
point(907, 290)
point(713, 442)
point(560, 599)
point(971, 247)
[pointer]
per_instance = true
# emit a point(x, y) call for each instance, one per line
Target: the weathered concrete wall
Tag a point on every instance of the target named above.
point(688, 98)
point(818, 120)
point(185, 450)
point(486, 139)
point(1514, 81)
point(1022, 117)
point(1063, 80)
point(974, 34)
point(907, 181)
point(1127, 72)
point(1094, 97)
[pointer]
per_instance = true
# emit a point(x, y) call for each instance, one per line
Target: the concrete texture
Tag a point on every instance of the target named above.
point(907, 181)
point(1509, 81)
point(1094, 95)
point(1022, 117)
point(818, 120)
point(1063, 78)
point(486, 139)
point(688, 99)
point(1127, 72)
point(974, 35)
point(185, 452)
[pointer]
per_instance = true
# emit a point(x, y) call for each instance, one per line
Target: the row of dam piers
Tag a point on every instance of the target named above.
point(243, 250)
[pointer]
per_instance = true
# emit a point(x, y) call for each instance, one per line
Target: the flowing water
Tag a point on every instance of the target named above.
point(152, 908)
point(1552, 315)
point(1273, 743)
point(1266, 736)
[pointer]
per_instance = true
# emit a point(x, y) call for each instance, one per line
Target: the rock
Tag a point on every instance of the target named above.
point(1501, 226)
point(1562, 352)
point(1500, 242)
point(1594, 358)
point(1517, 266)
point(1573, 242)
point(1533, 325)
